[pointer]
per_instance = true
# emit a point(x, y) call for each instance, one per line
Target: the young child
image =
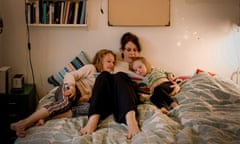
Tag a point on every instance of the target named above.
point(83, 79)
point(160, 83)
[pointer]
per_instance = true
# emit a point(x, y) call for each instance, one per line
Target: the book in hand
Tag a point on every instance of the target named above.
point(140, 80)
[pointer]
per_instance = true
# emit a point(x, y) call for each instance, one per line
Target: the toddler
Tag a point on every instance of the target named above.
point(160, 82)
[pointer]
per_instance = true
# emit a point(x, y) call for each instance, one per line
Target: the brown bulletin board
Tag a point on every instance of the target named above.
point(138, 12)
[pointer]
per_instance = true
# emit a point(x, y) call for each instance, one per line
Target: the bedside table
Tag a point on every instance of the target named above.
point(19, 106)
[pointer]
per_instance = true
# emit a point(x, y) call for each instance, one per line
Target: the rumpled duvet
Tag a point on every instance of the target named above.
point(208, 113)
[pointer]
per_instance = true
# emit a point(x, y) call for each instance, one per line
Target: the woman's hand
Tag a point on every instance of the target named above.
point(176, 88)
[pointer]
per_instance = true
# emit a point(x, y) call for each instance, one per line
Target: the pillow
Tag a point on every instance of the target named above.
point(79, 61)
point(198, 71)
point(181, 79)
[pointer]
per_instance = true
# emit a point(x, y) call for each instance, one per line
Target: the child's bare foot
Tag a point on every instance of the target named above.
point(91, 125)
point(40, 122)
point(164, 110)
point(174, 104)
point(132, 124)
point(19, 127)
point(21, 133)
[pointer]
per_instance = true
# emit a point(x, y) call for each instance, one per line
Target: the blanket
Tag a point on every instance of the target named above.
point(208, 112)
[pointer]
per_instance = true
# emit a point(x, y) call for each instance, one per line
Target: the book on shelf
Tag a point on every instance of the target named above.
point(71, 13)
point(141, 81)
point(79, 12)
point(36, 7)
point(33, 13)
point(28, 16)
point(30, 12)
point(40, 3)
point(51, 13)
point(67, 12)
point(44, 16)
point(56, 11)
point(76, 12)
point(83, 12)
point(62, 12)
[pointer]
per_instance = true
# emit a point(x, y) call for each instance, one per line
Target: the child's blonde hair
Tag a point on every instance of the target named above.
point(98, 59)
point(144, 61)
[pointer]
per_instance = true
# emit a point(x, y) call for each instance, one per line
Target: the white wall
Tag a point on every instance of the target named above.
point(203, 34)
point(1, 47)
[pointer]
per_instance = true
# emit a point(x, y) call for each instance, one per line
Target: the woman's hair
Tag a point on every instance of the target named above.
point(98, 58)
point(143, 60)
point(128, 36)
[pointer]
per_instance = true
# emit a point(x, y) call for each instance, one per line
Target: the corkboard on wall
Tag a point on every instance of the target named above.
point(138, 12)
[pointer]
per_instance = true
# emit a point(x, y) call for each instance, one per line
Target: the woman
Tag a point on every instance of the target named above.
point(115, 93)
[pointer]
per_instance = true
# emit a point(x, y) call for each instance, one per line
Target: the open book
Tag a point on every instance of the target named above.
point(140, 80)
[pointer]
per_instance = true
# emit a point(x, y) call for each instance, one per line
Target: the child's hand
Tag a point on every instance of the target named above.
point(171, 77)
point(70, 92)
point(176, 88)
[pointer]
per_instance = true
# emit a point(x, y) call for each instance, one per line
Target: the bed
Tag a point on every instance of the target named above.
point(209, 112)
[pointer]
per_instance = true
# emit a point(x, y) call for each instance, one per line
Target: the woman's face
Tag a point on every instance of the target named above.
point(130, 51)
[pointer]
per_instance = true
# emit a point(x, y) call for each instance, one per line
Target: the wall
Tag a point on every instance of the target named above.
point(203, 34)
point(1, 47)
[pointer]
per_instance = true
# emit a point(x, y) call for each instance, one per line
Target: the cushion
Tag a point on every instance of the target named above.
point(181, 79)
point(198, 71)
point(79, 61)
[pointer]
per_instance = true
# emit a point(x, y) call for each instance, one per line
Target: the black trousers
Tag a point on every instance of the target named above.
point(160, 95)
point(113, 94)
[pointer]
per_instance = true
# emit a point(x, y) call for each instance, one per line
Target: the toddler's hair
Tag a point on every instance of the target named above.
point(143, 60)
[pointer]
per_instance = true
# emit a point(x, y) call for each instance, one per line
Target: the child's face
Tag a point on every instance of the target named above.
point(108, 62)
point(139, 68)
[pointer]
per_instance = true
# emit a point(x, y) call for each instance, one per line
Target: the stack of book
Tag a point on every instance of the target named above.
point(56, 12)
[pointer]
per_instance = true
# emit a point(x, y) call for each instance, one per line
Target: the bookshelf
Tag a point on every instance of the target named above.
point(56, 13)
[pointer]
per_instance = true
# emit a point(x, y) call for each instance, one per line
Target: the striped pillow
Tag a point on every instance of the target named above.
point(76, 63)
